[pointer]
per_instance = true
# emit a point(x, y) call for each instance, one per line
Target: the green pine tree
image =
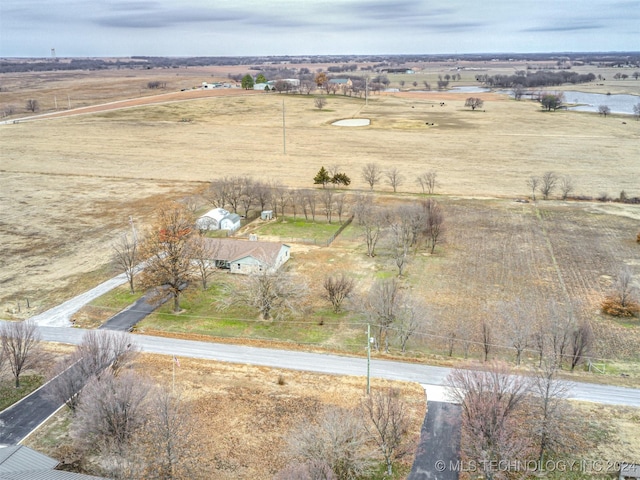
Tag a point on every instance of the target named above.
point(247, 82)
point(322, 177)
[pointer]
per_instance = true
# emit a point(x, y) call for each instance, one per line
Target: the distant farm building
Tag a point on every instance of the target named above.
point(405, 70)
point(343, 82)
point(246, 257)
point(219, 219)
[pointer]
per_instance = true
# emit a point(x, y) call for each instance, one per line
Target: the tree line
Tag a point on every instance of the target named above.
point(538, 78)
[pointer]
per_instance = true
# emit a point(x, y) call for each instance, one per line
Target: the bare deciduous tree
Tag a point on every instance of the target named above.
point(604, 110)
point(167, 251)
point(394, 178)
point(427, 181)
point(337, 440)
point(272, 293)
point(217, 192)
point(474, 103)
point(383, 306)
point(327, 199)
point(434, 223)
point(491, 401)
point(533, 183)
point(112, 410)
point(410, 318)
point(387, 421)
point(203, 253)
point(580, 343)
point(32, 105)
point(548, 182)
point(371, 173)
point(549, 409)
point(248, 196)
point(165, 448)
point(519, 320)
point(338, 288)
point(401, 238)
point(486, 338)
point(370, 218)
point(125, 256)
point(340, 204)
point(311, 199)
point(566, 186)
point(21, 347)
point(98, 350)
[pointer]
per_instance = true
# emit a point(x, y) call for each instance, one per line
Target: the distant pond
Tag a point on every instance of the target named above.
point(591, 101)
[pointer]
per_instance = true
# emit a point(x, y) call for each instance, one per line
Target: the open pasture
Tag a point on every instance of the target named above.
point(487, 153)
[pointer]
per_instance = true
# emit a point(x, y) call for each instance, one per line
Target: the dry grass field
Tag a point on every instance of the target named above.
point(243, 414)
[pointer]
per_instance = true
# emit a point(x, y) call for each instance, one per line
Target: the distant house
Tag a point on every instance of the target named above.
point(219, 219)
point(341, 82)
point(245, 257)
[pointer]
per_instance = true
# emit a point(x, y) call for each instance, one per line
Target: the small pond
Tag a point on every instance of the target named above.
point(352, 122)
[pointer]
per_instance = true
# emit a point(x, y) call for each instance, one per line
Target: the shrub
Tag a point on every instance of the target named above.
point(612, 305)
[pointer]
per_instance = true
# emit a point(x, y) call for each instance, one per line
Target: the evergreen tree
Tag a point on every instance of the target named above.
point(341, 179)
point(322, 177)
point(247, 82)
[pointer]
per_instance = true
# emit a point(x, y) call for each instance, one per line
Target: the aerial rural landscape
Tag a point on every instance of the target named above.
point(319, 266)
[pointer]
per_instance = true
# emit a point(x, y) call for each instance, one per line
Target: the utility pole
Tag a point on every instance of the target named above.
point(368, 358)
point(133, 229)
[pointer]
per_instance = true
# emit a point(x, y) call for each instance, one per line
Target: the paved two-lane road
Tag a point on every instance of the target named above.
point(326, 363)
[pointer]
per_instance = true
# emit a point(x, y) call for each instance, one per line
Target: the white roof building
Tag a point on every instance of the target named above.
point(219, 219)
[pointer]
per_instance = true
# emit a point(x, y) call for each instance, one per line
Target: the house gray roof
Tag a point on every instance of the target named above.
point(22, 463)
point(231, 250)
point(47, 475)
point(20, 459)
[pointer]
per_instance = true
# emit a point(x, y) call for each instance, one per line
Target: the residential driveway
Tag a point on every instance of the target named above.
point(438, 451)
point(127, 318)
point(60, 316)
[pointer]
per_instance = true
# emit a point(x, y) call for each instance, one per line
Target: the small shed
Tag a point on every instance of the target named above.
point(266, 215)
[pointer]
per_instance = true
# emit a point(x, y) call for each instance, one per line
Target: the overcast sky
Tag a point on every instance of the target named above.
point(31, 28)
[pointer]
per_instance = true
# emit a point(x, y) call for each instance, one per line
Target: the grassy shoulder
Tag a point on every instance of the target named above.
point(9, 394)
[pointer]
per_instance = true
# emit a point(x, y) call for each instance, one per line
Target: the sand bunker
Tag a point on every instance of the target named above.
point(352, 122)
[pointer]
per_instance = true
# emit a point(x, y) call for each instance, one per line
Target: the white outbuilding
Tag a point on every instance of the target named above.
point(219, 219)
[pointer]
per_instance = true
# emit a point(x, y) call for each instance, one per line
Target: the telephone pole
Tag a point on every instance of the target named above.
point(368, 358)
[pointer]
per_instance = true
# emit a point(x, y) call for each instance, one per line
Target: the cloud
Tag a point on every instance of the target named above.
point(162, 18)
point(565, 28)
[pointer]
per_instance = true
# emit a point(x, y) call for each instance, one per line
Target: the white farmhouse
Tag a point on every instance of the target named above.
point(245, 257)
point(219, 219)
